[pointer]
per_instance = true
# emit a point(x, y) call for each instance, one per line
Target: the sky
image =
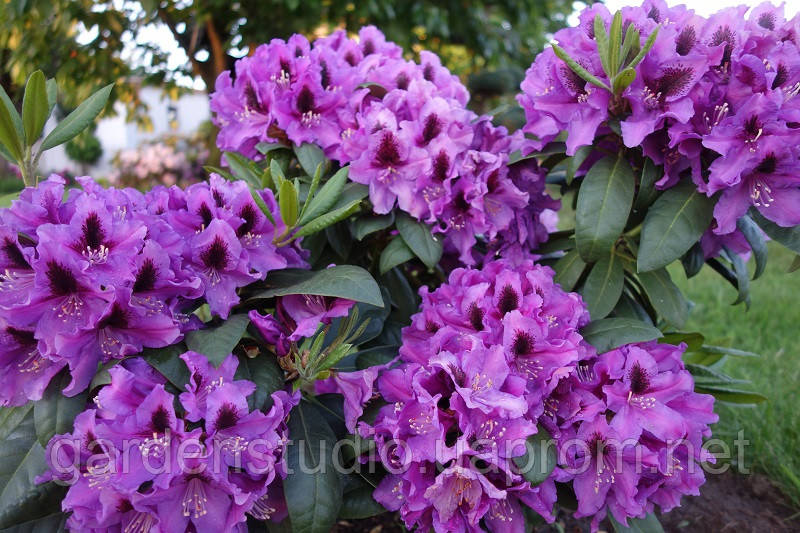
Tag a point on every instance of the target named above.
point(160, 35)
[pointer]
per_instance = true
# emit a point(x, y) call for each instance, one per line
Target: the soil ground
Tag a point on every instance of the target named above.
point(728, 503)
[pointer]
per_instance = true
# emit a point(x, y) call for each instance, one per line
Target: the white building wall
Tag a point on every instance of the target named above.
point(116, 133)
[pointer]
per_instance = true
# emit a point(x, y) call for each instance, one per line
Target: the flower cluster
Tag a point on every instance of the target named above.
point(159, 163)
point(96, 274)
point(136, 464)
point(495, 356)
point(401, 126)
point(479, 362)
point(630, 431)
point(715, 99)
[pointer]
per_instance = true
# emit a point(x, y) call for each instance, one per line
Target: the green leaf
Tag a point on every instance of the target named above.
point(647, 184)
point(359, 503)
point(603, 45)
point(244, 169)
point(789, 237)
point(78, 120)
point(568, 270)
point(674, 223)
point(12, 111)
point(693, 260)
point(328, 219)
point(539, 459)
point(575, 162)
point(694, 341)
point(665, 296)
point(609, 333)
point(603, 286)
point(396, 253)
point(648, 524)
point(218, 342)
point(276, 174)
point(287, 200)
point(326, 197)
point(168, 362)
point(313, 489)
point(379, 355)
point(55, 413)
point(631, 40)
point(370, 224)
point(310, 156)
point(742, 276)
point(708, 376)
point(265, 148)
point(21, 461)
point(262, 204)
point(731, 395)
point(623, 80)
point(11, 418)
point(614, 44)
point(419, 239)
point(264, 371)
point(728, 351)
point(604, 201)
point(221, 171)
point(11, 137)
point(646, 48)
point(51, 87)
point(52, 523)
point(577, 69)
point(342, 281)
point(34, 107)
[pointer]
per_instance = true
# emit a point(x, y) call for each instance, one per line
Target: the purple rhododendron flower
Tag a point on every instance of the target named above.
point(100, 274)
point(495, 356)
point(133, 464)
point(715, 100)
point(402, 126)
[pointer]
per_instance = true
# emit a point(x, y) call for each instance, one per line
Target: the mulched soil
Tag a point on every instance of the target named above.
point(728, 503)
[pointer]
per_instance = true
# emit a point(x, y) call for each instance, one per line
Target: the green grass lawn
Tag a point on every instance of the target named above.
point(771, 328)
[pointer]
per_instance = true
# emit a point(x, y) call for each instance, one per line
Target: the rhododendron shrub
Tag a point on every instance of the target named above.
point(366, 306)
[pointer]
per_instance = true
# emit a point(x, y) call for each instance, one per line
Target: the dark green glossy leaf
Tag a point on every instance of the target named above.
point(603, 286)
point(54, 413)
point(755, 238)
point(665, 296)
point(604, 202)
point(78, 120)
point(21, 461)
point(419, 239)
point(730, 394)
point(742, 276)
point(379, 355)
point(312, 488)
point(693, 260)
point(263, 370)
point(329, 219)
point(575, 162)
point(609, 333)
point(539, 459)
point(218, 342)
point(359, 503)
point(674, 223)
point(694, 341)
point(396, 253)
point(648, 524)
point(52, 523)
point(370, 224)
point(168, 362)
point(342, 281)
point(789, 237)
point(310, 157)
point(244, 169)
point(647, 184)
point(568, 270)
